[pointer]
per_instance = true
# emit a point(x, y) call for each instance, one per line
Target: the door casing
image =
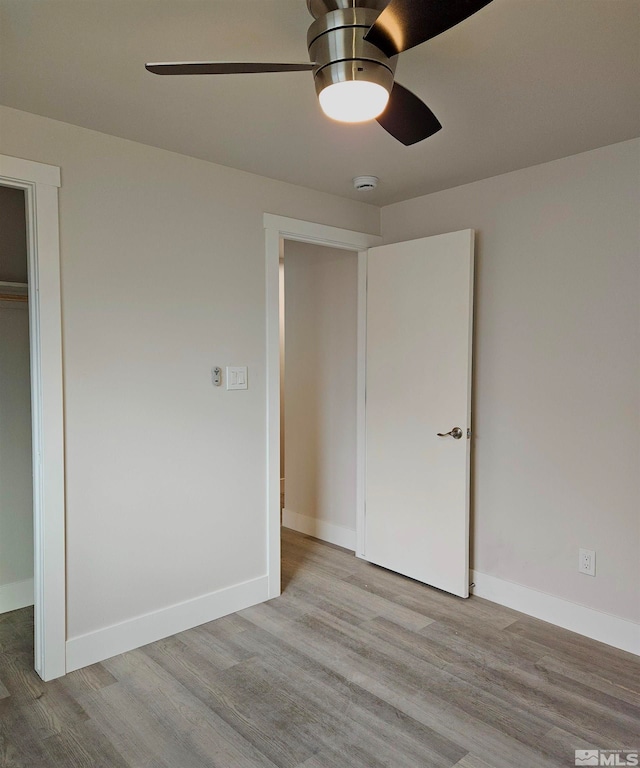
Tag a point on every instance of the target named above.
point(278, 228)
point(40, 183)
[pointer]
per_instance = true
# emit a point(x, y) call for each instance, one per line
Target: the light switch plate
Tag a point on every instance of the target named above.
point(237, 377)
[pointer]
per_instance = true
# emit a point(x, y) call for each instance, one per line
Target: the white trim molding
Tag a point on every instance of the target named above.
point(17, 595)
point(141, 630)
point(277, 229)
point(40, 183)
point(322, 234)
point(20, 170)
point(361, 393)
point(612, 630)
point(319, 529)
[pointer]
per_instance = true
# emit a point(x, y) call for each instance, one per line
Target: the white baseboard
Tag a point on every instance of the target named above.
point(597, 625)
point(319, 529)
point(118, 638)
point(16, 595)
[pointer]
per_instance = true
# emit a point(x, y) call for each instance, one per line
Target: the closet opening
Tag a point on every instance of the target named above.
point(16, 470)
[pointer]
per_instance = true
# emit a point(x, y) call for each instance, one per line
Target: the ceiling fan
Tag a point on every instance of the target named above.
point(353, 45)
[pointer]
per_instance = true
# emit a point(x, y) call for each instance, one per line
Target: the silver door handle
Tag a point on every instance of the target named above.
point(456, 433)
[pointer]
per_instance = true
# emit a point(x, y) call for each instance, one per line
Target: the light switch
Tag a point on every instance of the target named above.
point(237, 377)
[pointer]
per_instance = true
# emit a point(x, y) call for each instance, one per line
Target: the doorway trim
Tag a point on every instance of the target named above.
point(40, 183)
point(278, 228)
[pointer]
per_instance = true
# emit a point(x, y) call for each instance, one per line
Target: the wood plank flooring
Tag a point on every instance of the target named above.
point(353, 667)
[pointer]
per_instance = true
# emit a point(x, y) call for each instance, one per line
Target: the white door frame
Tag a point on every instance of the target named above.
point(40, 183)
point(279, 228)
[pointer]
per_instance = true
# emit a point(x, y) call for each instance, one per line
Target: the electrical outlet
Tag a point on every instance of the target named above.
point(587, 561)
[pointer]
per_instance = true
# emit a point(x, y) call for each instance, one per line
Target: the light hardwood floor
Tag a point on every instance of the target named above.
point(353, 667)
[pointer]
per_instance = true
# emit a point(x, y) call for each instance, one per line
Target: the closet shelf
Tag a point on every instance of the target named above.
point(13, 291)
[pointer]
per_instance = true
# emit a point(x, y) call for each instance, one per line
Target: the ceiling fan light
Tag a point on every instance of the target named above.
point(353, 101)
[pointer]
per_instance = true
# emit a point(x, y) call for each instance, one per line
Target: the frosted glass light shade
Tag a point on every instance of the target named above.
point(353, 101)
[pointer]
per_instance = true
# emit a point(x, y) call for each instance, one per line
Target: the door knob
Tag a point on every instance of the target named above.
point(456, 433)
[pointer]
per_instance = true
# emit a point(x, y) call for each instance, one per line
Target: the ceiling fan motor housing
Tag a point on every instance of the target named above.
point(336, 44)
point(318, 8)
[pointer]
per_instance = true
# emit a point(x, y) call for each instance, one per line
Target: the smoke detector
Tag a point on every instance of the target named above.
point(365, 183)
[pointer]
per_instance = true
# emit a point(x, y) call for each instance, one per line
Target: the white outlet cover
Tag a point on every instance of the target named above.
point(237, 377)
point(587, 561)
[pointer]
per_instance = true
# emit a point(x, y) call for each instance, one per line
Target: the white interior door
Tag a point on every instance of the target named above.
point(418, 384)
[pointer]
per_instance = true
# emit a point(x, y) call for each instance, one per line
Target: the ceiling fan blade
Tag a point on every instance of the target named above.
point(224, 67)
point(405, 23)
point(407, 118)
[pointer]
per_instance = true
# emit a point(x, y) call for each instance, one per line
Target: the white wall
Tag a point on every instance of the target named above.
point(320, 391)
point(557, 377)
point(16, 496)
point(162, 278)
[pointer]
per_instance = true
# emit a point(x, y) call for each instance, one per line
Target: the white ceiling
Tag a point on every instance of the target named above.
point(521, 82)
